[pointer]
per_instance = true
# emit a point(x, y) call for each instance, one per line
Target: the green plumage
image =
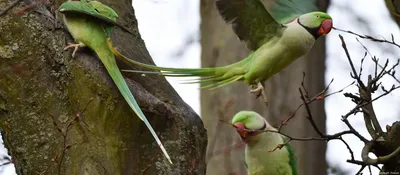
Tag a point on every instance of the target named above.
point(273, 45)
point(288, 10)
point(90, 24)
point(250, 21)
point(95, 9)
point(292, 158)
point(259, 157)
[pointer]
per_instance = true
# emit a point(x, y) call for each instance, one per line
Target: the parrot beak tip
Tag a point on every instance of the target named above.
point(241, 129)
point(326, 27)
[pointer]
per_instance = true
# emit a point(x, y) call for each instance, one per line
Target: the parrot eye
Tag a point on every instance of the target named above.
point(317, 16)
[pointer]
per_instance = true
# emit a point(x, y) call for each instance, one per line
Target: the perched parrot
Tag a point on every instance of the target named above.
point(274, 43)
point(260, 156)
point(90, 23)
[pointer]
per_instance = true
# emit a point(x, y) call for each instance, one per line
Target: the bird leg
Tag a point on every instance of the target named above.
point(259, 90)
point(75, 46)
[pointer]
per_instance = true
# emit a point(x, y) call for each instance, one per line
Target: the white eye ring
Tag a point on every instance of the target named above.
point(317, 16)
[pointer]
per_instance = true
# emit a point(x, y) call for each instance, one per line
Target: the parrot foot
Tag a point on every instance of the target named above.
point(259, 90)
point(75, 46)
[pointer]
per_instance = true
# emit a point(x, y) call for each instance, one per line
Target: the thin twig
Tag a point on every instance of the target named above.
point(320, 96)
point(363, 139)
point(13, 4)
point(354, 75)
point(392, 42)
point(309, 115)
point(348, 148)
point(290, 138)
point(29, 7)
point(370, 120)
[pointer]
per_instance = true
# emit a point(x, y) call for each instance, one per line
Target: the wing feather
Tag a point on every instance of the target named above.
point(250, 21)
point(285, 11)
point(94, 9)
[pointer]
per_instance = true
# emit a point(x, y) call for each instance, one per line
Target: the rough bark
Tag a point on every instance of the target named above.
point(40, 81)
point(392, 142)
point(221, 47)
point(393, 136)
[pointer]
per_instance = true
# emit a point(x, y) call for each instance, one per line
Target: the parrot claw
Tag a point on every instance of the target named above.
point(75, 46)
point(259, 90)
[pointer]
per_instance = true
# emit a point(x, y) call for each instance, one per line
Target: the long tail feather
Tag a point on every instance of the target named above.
point(169, 74)
point(109, 62)
point(222, 83)
point(203, 80)
point(220, 76)
point(165, 70)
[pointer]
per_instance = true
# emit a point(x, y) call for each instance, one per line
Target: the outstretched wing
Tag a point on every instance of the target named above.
point(285, 11)
point(250, 20)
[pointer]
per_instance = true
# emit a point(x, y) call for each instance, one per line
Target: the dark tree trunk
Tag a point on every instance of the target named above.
point(42, 89)
point(394, 9)
point(221, 47)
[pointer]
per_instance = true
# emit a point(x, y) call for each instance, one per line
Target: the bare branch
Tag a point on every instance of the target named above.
point(354, 75)
point(348, 147)
point(379, 160)
point(309, 115)
point(320, 96)
point(370, 119)
point(392, 42)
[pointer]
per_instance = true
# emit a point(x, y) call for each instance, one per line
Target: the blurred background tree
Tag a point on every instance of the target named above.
point(220, 46)
point(170, 29)
point(394, 9)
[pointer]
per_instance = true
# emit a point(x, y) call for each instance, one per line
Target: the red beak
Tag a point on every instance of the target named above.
point(326, 27)
point(240, 128)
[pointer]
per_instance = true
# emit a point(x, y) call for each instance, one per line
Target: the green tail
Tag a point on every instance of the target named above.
point(107, 57)
point(218, 76)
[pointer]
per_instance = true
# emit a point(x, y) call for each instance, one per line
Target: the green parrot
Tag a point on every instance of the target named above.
point(259, 157)
point(274, 43)
point(90, 23)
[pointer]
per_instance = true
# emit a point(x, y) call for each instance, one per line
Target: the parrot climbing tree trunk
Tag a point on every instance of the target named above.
point(220, 46)
point(64, 115)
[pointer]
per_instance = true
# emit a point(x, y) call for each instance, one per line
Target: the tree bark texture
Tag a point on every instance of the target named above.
point(43, 89)
point(221, 47)
point(392, 142)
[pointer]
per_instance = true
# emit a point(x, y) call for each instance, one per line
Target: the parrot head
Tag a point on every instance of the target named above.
point(249, 124)
point(318, 23)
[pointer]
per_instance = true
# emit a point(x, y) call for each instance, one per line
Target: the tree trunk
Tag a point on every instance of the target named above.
point(43, 89)
point(220, 46)
point(394, 9)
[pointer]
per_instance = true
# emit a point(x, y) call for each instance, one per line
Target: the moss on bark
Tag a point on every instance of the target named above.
point(43, 89)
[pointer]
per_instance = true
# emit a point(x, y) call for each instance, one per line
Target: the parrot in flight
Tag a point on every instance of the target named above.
point(90, 23)
point(274, 43)
point(261, 157)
